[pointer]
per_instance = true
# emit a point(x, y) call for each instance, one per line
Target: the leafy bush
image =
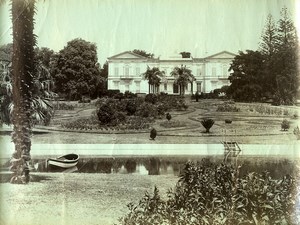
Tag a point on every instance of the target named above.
point(215, 194)
point(207, 124)
point(227, 108)
point(161, 109)
point(151, 98)
point(297, 133)
point(129, 94)
point(168, 116)
point(228, 121)
point(131, 107)
point(295, 115)
point(105, 113)
point(285, 125)
point(119, 96)
point(112, 93)
point(147, 110)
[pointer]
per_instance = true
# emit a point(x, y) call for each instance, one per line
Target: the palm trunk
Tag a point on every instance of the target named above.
point(22, 84)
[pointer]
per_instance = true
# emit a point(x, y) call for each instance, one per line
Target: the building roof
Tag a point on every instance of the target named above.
point(221, 55)
point(127, 55)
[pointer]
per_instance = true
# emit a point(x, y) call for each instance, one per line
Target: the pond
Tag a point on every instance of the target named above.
point(143, 165)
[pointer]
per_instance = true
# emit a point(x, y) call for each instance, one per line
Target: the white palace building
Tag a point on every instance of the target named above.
point(125, 72)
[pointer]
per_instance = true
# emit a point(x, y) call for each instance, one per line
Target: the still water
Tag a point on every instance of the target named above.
point(277, 167)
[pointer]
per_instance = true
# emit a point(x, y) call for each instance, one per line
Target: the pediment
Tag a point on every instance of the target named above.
point(222, 55)
point(127, 55)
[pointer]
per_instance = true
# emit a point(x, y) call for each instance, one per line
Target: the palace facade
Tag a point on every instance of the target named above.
point(125, 72)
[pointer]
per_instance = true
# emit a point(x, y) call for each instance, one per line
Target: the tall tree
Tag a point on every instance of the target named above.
point(76, 70)
point(104, 75)
point(268, 48)
point(269, 38)
point(43, 56)
point(153, 76)
point(183, 76)
point(23, 68)
point(245, 78)
point(286, 61)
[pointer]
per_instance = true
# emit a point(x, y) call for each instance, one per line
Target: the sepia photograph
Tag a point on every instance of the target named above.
point(141, 112)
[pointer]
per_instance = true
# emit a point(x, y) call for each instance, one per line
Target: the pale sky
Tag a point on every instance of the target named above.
point(162, 27)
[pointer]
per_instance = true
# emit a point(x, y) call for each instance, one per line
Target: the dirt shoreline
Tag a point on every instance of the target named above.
point(76, 198)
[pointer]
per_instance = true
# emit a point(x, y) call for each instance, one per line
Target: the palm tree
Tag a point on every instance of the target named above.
point(153, 76)
point(183, 76)
point(23, 68)
point(41, 98)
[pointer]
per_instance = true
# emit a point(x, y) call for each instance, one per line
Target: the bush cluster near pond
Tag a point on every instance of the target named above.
point(127, 111)
point(209, 193)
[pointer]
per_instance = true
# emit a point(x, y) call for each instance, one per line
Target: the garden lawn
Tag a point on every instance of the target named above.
point(76, 198)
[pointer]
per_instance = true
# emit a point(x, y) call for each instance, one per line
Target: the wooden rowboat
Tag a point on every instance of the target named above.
point(65, 161)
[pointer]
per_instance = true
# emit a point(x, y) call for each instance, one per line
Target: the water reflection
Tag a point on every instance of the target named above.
point(141, 166)
point(277, 167)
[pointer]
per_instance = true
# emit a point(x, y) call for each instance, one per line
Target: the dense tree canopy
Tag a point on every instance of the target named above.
point(76, 70)
point(246, 76)
point(272, 72)
point(43, 55)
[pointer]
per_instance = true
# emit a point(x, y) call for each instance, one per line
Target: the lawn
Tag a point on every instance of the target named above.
point(77, 198)
point(253, 123)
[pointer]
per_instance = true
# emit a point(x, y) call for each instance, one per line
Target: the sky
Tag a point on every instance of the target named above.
point(162, 27)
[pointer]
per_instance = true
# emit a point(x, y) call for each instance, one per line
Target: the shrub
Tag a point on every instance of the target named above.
point(181, 105)
point(168, 116)
point(297, 133)
point(118, 117)
point(295, 116)
point(161, 109)
point(151, 98)
point(207, 124)
point(228, 121)
point(227, 108)
point(215, 194)
point(129, 94)
point(131, 107)
point(112, 93)
point(105, 113)
point(285, 125)
point(119, 96)
point(146, 110)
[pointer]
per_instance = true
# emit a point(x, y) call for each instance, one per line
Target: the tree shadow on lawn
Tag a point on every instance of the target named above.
point(5, 177)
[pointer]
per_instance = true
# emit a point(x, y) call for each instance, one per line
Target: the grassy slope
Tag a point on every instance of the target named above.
point(76, 198)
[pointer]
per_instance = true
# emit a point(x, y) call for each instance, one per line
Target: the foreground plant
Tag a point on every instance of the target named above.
point(23, 68)
point(215, 194)
point(207, 124)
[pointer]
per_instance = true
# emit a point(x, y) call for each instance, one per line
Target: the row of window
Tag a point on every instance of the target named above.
point(138, 71)
point(165, 86)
